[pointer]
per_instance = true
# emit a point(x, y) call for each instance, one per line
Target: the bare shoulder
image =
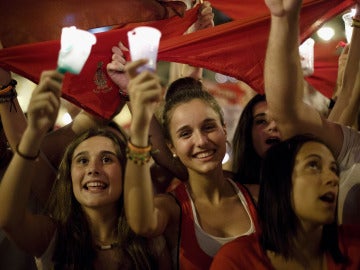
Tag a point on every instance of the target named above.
point(331, 133)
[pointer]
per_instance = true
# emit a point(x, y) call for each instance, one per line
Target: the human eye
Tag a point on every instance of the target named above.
point(82, 160)
point(314, 164)
point(260, 121)
point(185, 133)
point(209, 127)
point(107, 159)
point(335, 168)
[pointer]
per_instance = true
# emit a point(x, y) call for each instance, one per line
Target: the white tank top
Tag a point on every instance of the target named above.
point(211, 244)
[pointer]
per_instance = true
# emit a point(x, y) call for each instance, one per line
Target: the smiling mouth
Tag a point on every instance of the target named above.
point(204, 154)
point(97, 185)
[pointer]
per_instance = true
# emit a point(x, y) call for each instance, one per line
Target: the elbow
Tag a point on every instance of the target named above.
point(142, 229)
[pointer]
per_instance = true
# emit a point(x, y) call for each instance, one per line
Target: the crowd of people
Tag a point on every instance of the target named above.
point(88, 195)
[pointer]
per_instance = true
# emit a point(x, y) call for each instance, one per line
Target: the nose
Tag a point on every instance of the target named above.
point(331, 178)
point(93, 167)
point(200, 138)
point(272, 126)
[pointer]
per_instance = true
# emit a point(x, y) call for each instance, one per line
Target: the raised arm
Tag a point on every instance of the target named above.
point(30, 232)
point(284, 82)
point(347, 103)
point(205, 20)
point(145, 215)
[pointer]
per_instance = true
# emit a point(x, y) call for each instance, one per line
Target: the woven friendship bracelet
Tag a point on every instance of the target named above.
point(139, 155)
point(138, 149)
point(12, 83)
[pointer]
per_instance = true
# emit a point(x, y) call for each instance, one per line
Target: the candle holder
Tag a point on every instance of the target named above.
point(75, 49)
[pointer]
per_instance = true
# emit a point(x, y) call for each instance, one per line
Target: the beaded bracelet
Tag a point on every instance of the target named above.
point(26, 156)
point(12, 83)
point(7, 88)
point(139, 155)
point(9, 97)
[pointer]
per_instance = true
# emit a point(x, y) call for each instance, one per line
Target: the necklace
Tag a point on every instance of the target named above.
point(106, 247)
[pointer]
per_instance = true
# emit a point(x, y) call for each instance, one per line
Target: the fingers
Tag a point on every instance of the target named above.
point(145, 88)
point(118, 60)
point(44, 103)
point(50, 81)
point(131, 68)
point(205, 18)
point(122, 47)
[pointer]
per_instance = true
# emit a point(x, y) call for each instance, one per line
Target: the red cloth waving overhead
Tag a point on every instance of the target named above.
point(42, 20)
point(236, 49)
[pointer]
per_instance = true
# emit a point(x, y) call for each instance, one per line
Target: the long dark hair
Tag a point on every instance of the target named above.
point(246, 163)
point(278, 220)
point(75, 247)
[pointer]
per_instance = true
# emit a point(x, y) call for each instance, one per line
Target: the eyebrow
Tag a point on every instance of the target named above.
point(259, 114)
point(102, 152)
point(207, 120)
point(318, 156)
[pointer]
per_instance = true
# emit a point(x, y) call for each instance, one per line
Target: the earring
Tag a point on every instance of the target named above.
point(174, 155)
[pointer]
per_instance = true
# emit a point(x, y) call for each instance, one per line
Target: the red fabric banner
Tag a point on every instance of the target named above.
point(235, 49)
point(42, 20)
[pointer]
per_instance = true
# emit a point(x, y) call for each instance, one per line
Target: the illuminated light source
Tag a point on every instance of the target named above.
point(347, 18)
point(306, 51)
point(227, 154)
point(66, 118)
point(75, 49)
point(326, 33)
point(226, 158)
point(220, 78)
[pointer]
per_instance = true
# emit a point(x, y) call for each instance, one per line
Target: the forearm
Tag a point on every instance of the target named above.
point(163, 155)
point(139, 198)
point(283, 73)
point(16, 183)
point(178, 70)
point(347, 102)
point(14, 121)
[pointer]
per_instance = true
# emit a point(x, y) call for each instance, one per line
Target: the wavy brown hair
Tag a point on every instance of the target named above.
point(75, 247)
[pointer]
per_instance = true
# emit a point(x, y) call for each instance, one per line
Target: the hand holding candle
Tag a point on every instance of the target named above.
point(75, 49)
point(144, 44)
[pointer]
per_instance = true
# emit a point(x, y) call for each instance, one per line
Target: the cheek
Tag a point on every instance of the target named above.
point(258, 143)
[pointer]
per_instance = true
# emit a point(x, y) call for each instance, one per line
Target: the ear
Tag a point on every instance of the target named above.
point(172, 148)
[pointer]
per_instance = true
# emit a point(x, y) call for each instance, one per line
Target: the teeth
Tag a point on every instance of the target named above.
point(95, 184)
point(204, 154)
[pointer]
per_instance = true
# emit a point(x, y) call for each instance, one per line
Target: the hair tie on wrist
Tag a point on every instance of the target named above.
point(26, 156)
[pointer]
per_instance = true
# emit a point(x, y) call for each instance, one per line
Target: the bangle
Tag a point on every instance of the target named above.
point(124, 95)
point(26, 156)
point(139, 155)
